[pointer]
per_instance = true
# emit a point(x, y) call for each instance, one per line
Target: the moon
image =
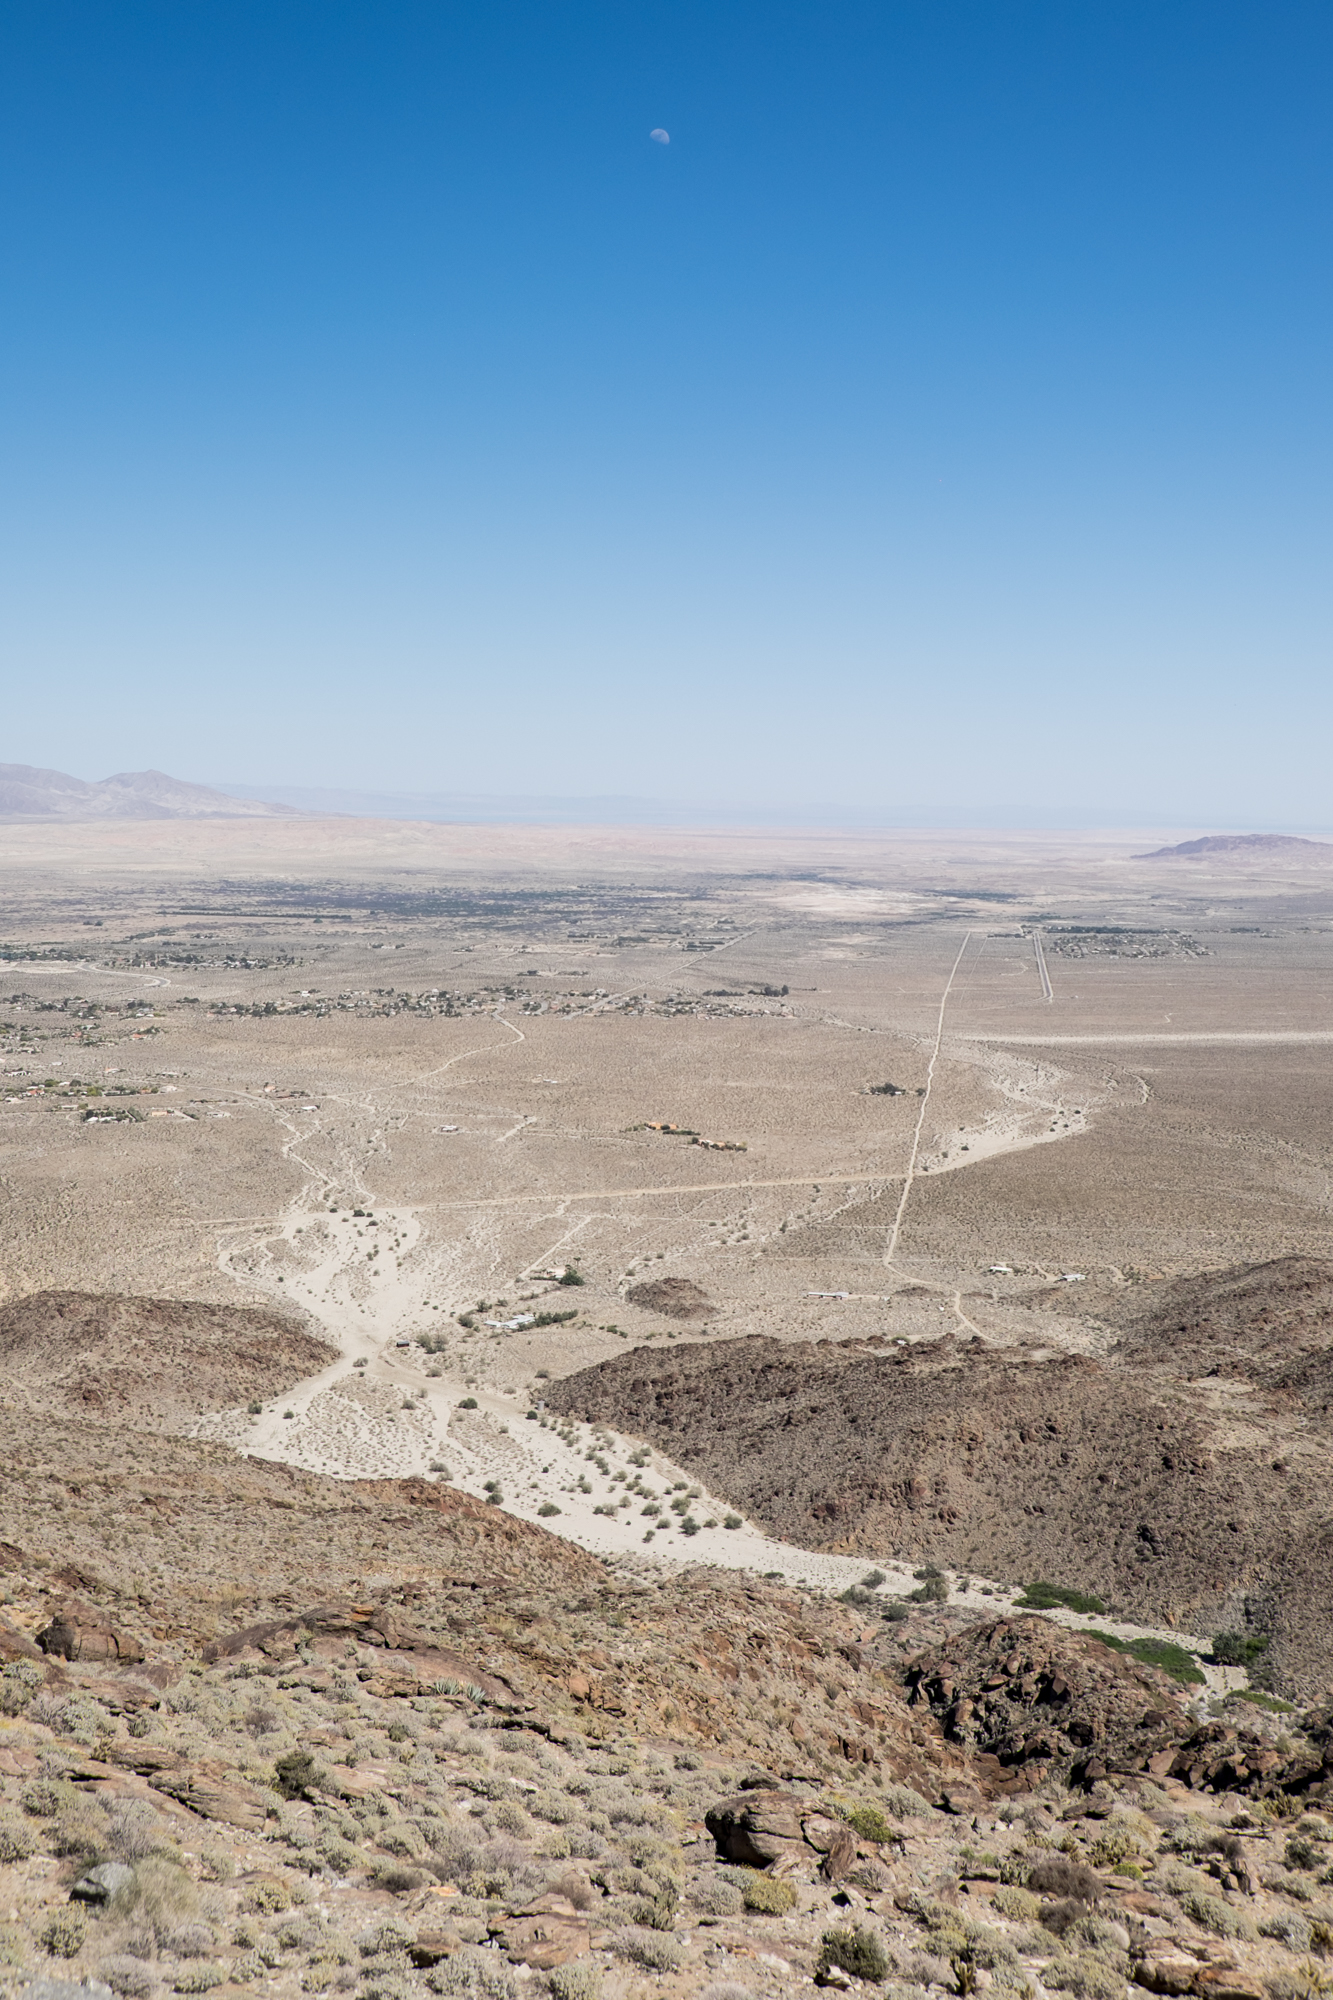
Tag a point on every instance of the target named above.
point(662, 138)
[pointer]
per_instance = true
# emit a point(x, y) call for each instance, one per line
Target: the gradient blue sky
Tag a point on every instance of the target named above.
point(939, 427)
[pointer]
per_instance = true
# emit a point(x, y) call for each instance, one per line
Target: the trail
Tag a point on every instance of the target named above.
point(908, 1177)
point(483, 1048)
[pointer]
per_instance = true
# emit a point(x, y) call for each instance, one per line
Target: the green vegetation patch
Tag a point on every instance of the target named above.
point(1180, 1664)
point(1055, 1597)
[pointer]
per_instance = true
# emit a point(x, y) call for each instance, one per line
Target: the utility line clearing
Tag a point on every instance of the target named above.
point(891, 1252)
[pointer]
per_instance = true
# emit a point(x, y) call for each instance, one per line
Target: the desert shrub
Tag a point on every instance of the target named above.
point(159, 1896)
point(16, 1841)
point(1086, 1977)
point(43, 1800)
point(858, 1952)
point(294, 1772)
point(1119, 1839)
point(401, 1839)
point(581, 1979)
point(1210, 1913)
point(769, 1895)
point(652, 1949)
point(1018, 1904)
point(903, 1802)
point(133, 1830)
point(268, 1898)
point(1303, 1852)
point(1177, 1661)
point(1056, 1597)
point(64, 1934)
point(552, 1807)
point(190, 1941)
point(80, 1830)
point(896, 1612)
point(1238, 1649)
point(339, 1855)
point(199, 1978)
point(869, 1822)
point(390, 1936)
point(19, 1682)
point(934, 1590)
point(398, 1878)
point(128, 1976)
point(1289, 1928)
point(473, 1975)
point(715, 1896)
point(1058, 1875)
point(1088, 1931)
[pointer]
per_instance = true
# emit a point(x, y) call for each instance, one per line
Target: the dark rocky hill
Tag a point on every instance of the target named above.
point(1107, 1477)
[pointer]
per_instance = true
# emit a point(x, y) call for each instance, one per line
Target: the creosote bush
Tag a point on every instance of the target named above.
point(769, 1895)
point(858, 1952)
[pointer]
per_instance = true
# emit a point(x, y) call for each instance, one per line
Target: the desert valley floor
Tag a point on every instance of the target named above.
point(717, 1214)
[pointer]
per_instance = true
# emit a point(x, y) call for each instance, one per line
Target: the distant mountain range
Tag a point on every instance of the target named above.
point(29, 794)
point(1243, 847)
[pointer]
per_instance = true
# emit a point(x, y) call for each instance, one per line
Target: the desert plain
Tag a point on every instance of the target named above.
point(551, 1287)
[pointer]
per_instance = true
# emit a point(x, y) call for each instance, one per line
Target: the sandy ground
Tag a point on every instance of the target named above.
point(612, 1494)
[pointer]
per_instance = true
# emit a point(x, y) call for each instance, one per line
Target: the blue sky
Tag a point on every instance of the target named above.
point(939, 427)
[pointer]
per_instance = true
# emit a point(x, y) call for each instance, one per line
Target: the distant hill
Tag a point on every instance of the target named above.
point(28, 793)
point(1245, 846)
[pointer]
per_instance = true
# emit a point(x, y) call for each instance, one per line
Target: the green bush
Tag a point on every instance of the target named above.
point(547, 1509)
point(769, 1895)
point(733, 1521)
point(581, 1979)
point(1019, 1905)
point(294, 1773)
point(571, 1277)
point(1057, 1597)
point(200, 1978)
point(870, 1823)
point(64, 1934)
point(1238, 1649)
point(16, 1842)
point(1174, 1660)
point(1210, 1913)
point(1087, 1978)
point(468, 1403)
point(934, 1590)
point(858, 1952)
point(19, 1682)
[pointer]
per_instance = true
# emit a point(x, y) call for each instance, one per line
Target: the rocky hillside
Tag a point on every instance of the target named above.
point(1107, 1477)
point(148, 1361)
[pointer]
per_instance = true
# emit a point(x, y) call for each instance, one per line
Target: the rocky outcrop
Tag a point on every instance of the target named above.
point(80, 1632)
point(1044, 1701)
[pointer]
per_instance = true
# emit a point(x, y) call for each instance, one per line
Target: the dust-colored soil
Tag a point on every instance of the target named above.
point(149, 1360)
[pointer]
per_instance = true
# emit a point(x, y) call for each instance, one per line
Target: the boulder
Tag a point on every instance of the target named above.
point(101, 1883)
point(759, 1828)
